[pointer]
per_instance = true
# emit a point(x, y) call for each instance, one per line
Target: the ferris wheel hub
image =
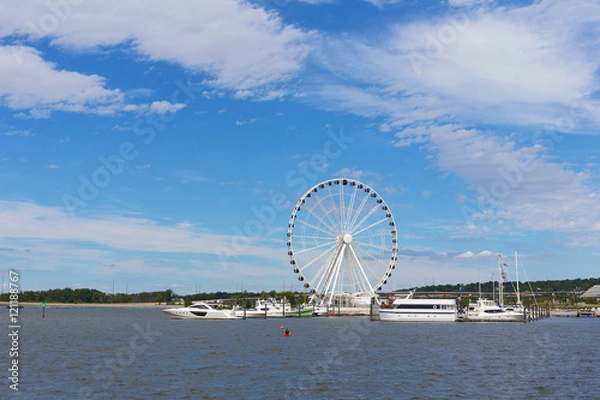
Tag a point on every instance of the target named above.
point(347, 238)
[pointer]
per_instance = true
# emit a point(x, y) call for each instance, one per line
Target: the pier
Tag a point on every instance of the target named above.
point(536, 312)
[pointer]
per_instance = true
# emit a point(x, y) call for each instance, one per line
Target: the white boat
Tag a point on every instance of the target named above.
point(201, 310)
point(420, 310)
point(269, 308)
point(485, 310)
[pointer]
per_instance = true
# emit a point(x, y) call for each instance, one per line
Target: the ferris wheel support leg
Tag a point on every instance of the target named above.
point(336, 272)
point(323, 287)
point(365, 284)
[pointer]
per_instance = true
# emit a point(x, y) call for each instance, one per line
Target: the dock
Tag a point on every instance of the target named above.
point(588, 312)
point(534, 313)
point(575, 312)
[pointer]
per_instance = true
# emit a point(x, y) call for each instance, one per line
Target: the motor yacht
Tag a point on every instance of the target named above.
point(201, 310)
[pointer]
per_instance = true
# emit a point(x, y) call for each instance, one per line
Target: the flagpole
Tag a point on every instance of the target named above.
point(517, 268)
point(500, 285)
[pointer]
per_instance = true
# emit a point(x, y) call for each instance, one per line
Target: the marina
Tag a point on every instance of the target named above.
point(120, 352)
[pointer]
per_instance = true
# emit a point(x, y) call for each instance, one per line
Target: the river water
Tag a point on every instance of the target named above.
point(142, 354)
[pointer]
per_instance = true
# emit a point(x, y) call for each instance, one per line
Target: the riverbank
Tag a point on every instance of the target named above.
point(92, 305)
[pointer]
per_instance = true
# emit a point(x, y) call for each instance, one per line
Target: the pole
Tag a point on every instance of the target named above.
point(517, 269)
point(500, 285)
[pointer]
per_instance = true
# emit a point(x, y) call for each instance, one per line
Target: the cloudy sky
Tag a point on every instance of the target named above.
point(153, 145)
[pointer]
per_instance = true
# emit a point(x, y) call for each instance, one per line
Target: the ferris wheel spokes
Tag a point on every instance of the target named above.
point(330, 208)
point(325, 212)
point(369, 227)
point(323, 274)
point(371, 262)
point(359, 211)
point(350, 211)
point(365, 218)
point(366, 287)
point(330, 232)
point(316, 247)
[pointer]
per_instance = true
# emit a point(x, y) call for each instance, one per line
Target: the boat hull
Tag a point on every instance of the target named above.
point(420, 310)
point(304, 312)
point(392, 316)
point(496, 318)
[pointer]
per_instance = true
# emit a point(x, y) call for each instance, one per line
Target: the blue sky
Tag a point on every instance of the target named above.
point(165, 146)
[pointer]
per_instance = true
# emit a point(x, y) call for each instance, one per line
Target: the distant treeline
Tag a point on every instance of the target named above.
point(168, 296)
point(560, 286)
point(91, 296)
point(87, 296)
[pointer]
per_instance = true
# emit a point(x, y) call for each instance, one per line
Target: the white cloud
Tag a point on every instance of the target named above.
point(29, 223)
point(315, 2)
point(467, 254)
point(468, 3)
point(493, 59)
point(471, 255)
point(163, 107)
point(515, 188)
point(238, 44)
point(19, 133)
point(157, 107)
point(358, 174)
point(525, 65)
point(29, 82)
point(382, 3)
point(242, 122)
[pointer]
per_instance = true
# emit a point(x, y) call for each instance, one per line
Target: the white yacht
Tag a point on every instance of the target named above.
point(201, 310)
point(420, 310)
point(484, 310)
point(270, 308)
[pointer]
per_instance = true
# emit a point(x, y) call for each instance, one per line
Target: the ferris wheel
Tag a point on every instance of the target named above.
point(342, 240)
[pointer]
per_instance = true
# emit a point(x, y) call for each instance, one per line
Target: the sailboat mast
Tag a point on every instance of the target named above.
point(517, 268)
point(500, 285)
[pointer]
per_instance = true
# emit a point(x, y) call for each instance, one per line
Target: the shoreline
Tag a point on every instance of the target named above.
point(38, 305)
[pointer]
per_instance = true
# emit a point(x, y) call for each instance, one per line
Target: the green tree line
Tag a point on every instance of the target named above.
point(68, 295)
point(557, 286)
point(73, 296)
point(87, 296)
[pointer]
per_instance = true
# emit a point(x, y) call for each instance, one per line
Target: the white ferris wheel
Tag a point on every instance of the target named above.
point(342, 240)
